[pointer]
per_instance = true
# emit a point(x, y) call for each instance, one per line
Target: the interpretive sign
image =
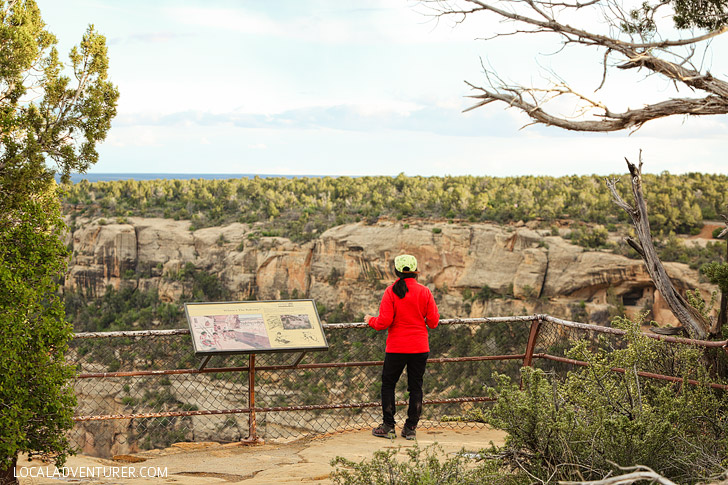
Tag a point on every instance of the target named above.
point(255, 327)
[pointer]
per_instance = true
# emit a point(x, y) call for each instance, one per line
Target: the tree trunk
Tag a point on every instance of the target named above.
point(7, 474)
point(688, 316)
point(723, 312)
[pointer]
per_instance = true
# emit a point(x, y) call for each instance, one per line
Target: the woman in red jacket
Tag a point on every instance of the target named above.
point(407, 310)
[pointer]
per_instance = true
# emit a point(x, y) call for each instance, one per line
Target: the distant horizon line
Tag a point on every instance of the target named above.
point(115, 176)
point(208, 173)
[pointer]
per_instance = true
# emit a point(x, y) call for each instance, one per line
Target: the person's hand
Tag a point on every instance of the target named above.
point(367, 318)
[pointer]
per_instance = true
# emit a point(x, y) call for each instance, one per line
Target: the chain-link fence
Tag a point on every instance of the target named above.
point(555, 337)
point(145, 390)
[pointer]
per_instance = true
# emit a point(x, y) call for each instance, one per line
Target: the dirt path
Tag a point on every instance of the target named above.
point(305, 461)
point(707, 231)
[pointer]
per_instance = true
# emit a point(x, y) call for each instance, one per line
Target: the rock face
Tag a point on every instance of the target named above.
point(474, 270)
point(528, 270)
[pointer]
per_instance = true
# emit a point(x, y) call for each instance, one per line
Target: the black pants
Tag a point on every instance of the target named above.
point(394, 364)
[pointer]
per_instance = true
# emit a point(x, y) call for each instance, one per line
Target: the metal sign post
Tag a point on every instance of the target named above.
point(253, 327)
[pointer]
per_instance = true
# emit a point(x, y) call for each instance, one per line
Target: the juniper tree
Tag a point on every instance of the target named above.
point(52, 115)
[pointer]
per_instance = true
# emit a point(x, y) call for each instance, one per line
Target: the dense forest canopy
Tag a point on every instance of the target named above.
point(302, 208)
point(299, 208)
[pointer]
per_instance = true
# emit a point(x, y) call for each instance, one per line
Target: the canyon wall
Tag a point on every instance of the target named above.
point(526, 269)
point(474, 270)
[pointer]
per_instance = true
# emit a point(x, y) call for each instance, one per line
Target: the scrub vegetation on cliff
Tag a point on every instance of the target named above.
point(299, 208)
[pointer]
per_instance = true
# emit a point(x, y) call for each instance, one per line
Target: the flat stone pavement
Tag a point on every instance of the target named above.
point(302, 461)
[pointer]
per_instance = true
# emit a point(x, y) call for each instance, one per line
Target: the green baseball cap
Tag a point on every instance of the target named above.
point(405, 263)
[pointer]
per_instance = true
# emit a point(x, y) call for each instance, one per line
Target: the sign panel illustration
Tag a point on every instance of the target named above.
point(255, 327)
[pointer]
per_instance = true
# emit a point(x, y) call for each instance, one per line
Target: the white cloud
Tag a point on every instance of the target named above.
point(381, 21)
point(135, 136)
point(687, 127)
point(494, 120)
point(235, 19)
point(329, 151)
point(321, 87)
point(150, 37)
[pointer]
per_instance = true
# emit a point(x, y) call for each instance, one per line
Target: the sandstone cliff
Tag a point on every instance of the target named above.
point(529, 269)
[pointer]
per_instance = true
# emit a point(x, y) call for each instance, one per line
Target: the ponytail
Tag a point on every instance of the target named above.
point(400, 286)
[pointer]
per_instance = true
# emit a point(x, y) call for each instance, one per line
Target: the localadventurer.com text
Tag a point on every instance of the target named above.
point(91, 472)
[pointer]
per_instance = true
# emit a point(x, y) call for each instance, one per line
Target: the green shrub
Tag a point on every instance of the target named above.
point(485, 293)
point(673, 248)
point(128, 274)
point(581, 427)
point(334, 276)
point(717, 273)
point(529, 292)
point(588, 237)
point(579, 312)
point(120, 310)
point(422, 467)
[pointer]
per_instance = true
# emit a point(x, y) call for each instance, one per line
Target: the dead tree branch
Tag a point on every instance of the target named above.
point(722, 319)
point(688, 316)
point(640, 473)
point(626, 47)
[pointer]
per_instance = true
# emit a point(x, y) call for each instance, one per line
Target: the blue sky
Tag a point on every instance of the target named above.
point(350, 88)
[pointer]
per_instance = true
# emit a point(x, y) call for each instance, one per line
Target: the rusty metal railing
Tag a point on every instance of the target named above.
point(323, 396)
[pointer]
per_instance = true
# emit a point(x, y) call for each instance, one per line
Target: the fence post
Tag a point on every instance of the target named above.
point(532, 336)
point(252, 435)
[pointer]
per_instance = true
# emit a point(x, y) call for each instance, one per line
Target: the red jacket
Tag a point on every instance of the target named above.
point(407, 318)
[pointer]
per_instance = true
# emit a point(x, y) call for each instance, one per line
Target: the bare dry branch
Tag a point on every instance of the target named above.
point(585, 36)
point(604, 69)
point(610, 121)
point(688, 316)
point(644, 473)
point(724, 232)
point(636, 246)
point(671, 58)
point(612, 186)
point(575, 5)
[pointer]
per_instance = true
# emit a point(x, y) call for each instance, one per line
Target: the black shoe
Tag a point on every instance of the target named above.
point(409, 433)
point(384, 431)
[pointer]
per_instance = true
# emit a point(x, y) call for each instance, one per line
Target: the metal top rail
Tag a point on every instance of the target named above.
point(446, 321)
